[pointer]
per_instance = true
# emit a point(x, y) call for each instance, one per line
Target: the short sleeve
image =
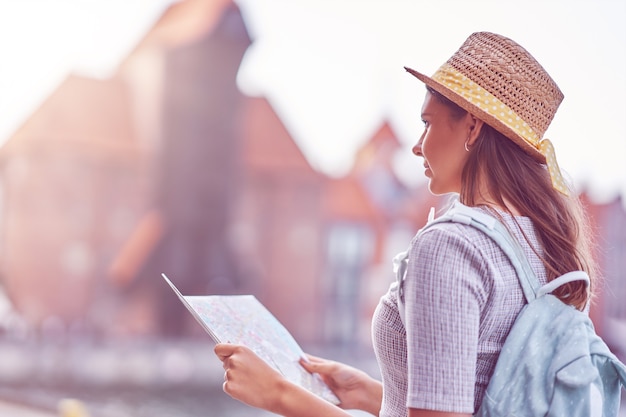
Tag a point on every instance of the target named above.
point(444, 293)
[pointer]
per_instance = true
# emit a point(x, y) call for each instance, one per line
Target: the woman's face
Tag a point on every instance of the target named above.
point(442, 145)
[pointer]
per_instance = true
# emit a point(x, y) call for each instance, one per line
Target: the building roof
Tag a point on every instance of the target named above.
point(85, 113)
point(267, 144)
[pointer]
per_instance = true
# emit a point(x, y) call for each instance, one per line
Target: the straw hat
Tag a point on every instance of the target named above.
point(498, 81)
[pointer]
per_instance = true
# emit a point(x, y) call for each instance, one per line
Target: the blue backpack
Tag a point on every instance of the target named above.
point(552, 362)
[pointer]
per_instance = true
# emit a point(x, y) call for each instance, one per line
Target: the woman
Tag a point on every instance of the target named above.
point(485, 112)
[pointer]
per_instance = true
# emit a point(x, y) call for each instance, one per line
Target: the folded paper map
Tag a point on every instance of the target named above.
point(242, 319)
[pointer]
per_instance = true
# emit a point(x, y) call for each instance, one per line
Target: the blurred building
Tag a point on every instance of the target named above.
point(167, 167)
point(608, 310)
point(112, 182)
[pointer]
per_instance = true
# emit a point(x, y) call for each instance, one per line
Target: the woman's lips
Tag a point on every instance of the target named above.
point(427, 170)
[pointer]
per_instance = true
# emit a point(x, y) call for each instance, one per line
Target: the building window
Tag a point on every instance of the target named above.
point(615, 238)
point(349, 251)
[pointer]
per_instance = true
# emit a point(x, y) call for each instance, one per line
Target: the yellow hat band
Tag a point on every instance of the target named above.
point(488, 103)
point(484, 100)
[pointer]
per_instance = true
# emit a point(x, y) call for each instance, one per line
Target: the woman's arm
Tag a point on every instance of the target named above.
point(250, 380)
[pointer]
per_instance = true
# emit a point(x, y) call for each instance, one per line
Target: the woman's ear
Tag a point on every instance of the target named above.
point(475, 127)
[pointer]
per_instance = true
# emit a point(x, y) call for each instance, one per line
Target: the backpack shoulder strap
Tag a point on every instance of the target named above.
point(489, 225)
point(510, 246)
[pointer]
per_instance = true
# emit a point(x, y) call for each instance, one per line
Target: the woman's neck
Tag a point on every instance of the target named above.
point(485, 199)
point(506, 207)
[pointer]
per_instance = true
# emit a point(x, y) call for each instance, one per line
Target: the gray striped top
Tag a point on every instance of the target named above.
point(461, 299)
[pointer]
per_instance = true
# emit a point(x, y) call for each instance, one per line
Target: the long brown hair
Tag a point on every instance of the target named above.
point(514, 177)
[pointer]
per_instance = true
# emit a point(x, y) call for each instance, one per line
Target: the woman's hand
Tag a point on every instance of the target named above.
point(248, 378)
point(354, 388)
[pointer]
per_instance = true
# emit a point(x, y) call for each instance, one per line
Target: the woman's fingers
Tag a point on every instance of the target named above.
point(317, 365)
point(247, 377)
point(225, 350)
point(310, 366)
point(315, 359)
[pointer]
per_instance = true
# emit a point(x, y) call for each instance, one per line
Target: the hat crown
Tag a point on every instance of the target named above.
point(511, 74)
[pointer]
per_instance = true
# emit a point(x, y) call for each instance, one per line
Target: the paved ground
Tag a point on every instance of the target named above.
point(118, 379)
point(180, 379)
point(16, 410)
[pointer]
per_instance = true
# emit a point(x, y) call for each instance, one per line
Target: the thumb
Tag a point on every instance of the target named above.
point(317, 366)
point(311, 367)
point(224, 350)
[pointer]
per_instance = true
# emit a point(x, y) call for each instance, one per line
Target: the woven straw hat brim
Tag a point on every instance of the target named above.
point(479, 113)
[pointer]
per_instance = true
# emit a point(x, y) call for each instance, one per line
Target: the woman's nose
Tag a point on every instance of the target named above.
point(417, 149)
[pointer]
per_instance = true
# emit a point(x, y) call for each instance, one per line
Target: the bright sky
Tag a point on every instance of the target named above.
point(333, 68)
point(41, 41)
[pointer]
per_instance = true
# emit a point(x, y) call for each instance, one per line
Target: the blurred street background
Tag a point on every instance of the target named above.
point(139, 378)
point(244, 147)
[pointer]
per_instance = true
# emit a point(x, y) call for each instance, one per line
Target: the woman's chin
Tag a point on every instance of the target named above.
point(436, 189)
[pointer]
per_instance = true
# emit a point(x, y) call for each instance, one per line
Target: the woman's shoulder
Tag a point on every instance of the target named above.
point(458, 233)
point(456, 220)
point(450, 240)
point(441, 231)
